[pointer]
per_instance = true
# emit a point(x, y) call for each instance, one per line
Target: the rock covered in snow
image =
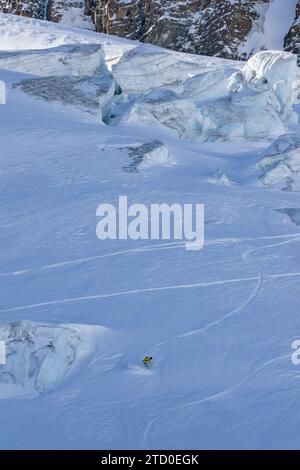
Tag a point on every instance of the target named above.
point(31, 8)
point(77, 60)
point(222, 28)
point(69, 13)
point(292, 39)
point(38, 357)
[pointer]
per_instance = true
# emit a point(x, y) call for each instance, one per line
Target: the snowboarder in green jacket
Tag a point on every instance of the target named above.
point(147, 361)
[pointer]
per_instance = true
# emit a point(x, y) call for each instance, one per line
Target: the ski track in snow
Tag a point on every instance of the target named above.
point(131, 292)
point(214, 396)
point(75, 408)
point(247, 253)
point(158, 247)
point(247, 257)
point(260, 278)
point(148, 290)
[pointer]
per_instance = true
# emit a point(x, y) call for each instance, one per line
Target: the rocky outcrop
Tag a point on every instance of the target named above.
point(292, 40)
point(209, 27)
point(57, 8)
point(51, 10)
point(32, 8)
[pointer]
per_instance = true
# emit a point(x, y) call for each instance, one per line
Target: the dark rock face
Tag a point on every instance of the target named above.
point(209, 27)
point(292, 40)
point(32, 8)
point(51, 10)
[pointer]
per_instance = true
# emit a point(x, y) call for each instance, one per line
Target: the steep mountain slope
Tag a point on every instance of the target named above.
point(292, 40)
point(227, 28)
point(210, 27)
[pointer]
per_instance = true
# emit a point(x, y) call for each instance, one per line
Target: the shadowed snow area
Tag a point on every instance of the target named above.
point(210, 103)
point(84, 125)
point(293, 213)
point(93, 95)
point(38, 357)
point(280, 164)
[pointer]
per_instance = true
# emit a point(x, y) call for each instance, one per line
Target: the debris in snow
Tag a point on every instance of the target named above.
point(147, 155)
point(221, 178)
point(293, 213)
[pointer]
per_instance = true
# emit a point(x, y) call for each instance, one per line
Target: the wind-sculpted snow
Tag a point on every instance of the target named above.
point(293, 213)
point(266, 68)
point(277, 72)
point(90, 94)
point(140, 71)
point(77, 60)
point(211, 84)
point(222, 103)
point(38, 357)
point(244, 115)
point(167, 110)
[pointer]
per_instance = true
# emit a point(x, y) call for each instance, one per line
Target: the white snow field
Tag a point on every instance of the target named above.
point(78, 314)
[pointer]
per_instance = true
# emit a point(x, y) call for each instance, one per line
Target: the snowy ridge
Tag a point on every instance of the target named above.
point(223, 28)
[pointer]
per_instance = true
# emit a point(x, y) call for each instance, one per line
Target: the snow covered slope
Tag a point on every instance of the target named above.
point(219, 322)
point(225, 28)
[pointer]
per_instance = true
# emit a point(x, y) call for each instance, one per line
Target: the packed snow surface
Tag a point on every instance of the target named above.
point(79, 314)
